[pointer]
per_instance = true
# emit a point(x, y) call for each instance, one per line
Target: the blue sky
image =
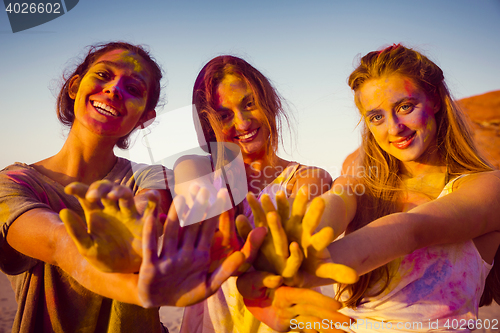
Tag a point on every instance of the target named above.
point(307, 49)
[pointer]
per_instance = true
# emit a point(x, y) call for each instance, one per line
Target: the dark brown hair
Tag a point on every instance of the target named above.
point(266, 97)
point(65, 104)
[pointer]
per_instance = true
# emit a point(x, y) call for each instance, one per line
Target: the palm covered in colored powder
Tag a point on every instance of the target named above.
point(292, 249)
point(110, 238)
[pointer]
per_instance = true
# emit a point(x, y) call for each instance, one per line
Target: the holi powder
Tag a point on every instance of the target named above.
point(5, 209)
point(408, 86)
point(429, 126)
point(127, 56)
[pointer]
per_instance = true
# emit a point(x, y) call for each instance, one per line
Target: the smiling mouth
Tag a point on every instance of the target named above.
point(405, 142)
point(105, 109)
point(248, 136)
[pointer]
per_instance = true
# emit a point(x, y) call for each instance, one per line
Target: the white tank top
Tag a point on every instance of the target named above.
point(225, 311)
point(437, 288)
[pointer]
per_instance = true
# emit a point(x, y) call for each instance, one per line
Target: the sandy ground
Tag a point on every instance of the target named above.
point(170, 316)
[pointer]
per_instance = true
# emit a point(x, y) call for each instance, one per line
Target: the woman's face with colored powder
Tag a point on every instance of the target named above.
point(244, 122)
point(111, 97)
point(399, 115)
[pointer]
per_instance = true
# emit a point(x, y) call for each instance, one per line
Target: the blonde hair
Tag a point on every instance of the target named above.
point(384, 188)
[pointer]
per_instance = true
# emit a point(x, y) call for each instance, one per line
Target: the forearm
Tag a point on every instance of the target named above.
point(117, 286)
point(399, 234)
point(40, 234)
point(376, 244)
point(469, 212)
point(337, 214)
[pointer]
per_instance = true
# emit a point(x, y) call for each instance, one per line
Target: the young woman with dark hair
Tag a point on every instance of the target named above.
point(237, 105)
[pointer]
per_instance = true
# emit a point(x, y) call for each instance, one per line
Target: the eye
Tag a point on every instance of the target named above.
point(250, 105)
point(406, 108)
point(134, 90)
point(376, 118)
point(105, 75)
point(224, 115)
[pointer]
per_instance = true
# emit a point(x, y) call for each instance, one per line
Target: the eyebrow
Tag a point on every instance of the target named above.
point(116, 65)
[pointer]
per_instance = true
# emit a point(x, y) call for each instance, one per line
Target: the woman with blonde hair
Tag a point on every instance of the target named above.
point(423, 226)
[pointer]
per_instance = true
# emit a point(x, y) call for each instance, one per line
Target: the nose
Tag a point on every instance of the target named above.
point(395, 126)
point(241, 121)
point(114, 89)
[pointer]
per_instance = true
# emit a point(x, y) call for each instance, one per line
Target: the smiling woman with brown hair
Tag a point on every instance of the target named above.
point(237, 104)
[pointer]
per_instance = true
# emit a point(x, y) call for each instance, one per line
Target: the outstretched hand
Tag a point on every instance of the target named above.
point(275, 254)
point(110, 238)
point(302, 226)
point(286, 308)
point(181, 273)
point(226, 242)
point(299, 228)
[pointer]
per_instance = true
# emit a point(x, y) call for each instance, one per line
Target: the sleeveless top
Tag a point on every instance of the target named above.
point(225, 311)
point(437, 288)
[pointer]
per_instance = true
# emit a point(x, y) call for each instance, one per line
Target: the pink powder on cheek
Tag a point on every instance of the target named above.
point(135, 105)
point(408, 87)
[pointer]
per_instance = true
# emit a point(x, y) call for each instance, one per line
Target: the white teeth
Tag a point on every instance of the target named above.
point(102, 108)
point(246, 136)
point(405, 140)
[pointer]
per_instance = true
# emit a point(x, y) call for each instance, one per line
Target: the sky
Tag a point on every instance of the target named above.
point(306, 48)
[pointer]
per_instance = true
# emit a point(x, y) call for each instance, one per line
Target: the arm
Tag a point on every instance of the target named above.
point(180, 275)
point(39, 233)
point(470, 211)
point(317, 181)
point(340, 200)
point(190, 170)
point(340, 205)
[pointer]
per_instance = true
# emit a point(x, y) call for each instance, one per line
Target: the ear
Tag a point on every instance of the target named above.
point(74, 84)
point(146, 119)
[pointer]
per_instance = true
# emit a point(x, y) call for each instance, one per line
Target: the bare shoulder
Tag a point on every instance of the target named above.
point(188, 160)
point(192, 165)
point(316, 179)
point(486, 180)
point(348, 180)
point(313, 172)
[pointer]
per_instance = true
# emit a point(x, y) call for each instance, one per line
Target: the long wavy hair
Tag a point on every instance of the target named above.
point(384, 187)
point(266, 97)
